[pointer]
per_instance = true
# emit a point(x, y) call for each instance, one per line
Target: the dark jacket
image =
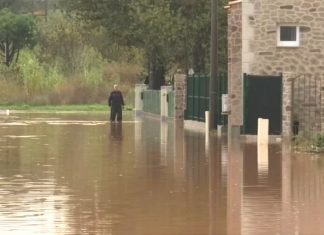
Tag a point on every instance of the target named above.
point(115, 99)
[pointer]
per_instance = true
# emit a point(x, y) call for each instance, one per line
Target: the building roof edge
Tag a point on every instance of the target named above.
point(230, 3)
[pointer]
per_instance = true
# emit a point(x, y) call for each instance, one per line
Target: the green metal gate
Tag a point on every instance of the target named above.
point(152, 101)
point(170, 104)
point(262, 99)
point(198, 97)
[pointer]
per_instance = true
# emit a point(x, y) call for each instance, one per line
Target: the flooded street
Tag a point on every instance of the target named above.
point(79, 174)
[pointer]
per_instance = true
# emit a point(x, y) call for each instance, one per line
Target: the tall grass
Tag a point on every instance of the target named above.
point(33, 82)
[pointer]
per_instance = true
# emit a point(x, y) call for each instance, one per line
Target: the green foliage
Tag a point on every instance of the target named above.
point(171, 33)
point(33, 73)
point(92, 65)
point(60, 39)
point(78, 48)
point(34, 82)
point(28, 6)
point(301, 144)
point(194, 34)
point(16, 5)
point(112, 51)
point(318, 143)
point(16, 32)
point(314, 144)
point(80, 53)
point(11, 90)
point(156, 27)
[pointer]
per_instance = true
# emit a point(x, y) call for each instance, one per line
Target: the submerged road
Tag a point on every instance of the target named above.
point(79, 174)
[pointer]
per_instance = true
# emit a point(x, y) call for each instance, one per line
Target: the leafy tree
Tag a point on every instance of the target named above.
point(195, 34)
point(170, 32)
point(143, 24)
point(28, 6)
point(18, 6)
point(156, 28)
point(16, 32)
point(60, 39)
point(8, 4)
point(222, 37)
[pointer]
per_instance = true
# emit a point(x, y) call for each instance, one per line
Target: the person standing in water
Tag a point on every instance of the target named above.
point(116, 102)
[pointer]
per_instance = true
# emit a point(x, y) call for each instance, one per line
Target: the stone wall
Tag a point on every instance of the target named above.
point(270, 59)
point(261, 55)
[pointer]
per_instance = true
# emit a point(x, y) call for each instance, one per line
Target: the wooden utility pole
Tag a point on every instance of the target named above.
point(213, 83)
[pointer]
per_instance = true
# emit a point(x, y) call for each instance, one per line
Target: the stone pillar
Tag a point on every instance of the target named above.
point(235, 72)
point(139, 88)
point(164, 101)
point(321, 105)
point(287, 105)
point(180, 89)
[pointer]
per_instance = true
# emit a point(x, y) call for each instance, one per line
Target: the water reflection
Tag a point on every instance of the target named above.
point(116, 130)
point(64, 174)
point(234, 185)
point(307, 194)
point(261, 189)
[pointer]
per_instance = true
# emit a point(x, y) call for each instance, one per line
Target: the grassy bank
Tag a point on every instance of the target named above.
point(59, 108)
point(314, 144)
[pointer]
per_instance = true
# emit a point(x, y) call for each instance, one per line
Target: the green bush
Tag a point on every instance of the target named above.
point(32, 73)
point(318, 143)
point(11, 92)
point(314, 144)
point(66, 68)
point(302, 144)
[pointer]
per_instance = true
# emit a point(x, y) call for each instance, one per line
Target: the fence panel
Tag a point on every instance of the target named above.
point(171, 104)
point(307, 100)
point(152, 101)
point(198, 97)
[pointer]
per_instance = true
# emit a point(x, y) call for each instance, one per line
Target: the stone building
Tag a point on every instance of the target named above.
point(276, 64)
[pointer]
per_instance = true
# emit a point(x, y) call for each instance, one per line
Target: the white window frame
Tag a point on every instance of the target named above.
point(295, 43)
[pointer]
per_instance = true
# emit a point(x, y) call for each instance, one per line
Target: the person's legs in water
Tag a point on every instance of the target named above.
point(119, 115)
point(113, 114)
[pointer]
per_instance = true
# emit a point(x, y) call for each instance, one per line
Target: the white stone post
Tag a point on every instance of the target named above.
point(164, 101)
point(139, 88)
point(5, 112)
point(206, 128)
point(263, 139)
point(263, 131)
point(163, 142)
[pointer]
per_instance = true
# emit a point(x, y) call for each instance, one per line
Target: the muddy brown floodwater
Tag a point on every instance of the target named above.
point(77, 174)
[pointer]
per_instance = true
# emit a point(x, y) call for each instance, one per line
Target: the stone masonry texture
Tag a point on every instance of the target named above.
point(180, 94)
point(302, 67)
point(235, 65)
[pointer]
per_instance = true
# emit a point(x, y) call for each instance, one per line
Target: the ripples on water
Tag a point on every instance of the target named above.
point(79, 174)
